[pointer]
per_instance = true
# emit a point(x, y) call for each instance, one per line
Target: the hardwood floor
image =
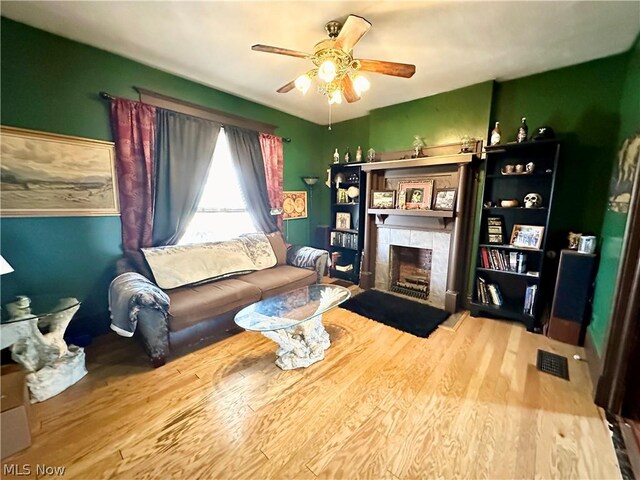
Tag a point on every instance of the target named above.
point(383, 404)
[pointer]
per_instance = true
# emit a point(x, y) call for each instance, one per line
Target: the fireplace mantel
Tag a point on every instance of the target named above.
point(448, 169)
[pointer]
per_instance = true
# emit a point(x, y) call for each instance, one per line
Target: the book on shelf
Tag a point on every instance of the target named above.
point(488, 293)
point(346, 240)
point(344, 268)
point(530, 299)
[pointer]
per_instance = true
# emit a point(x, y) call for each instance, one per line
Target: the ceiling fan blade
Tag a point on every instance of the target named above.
point(349, 90)
point(404, 70)
point(352, 31)
point(279, 51)
point(288, 87)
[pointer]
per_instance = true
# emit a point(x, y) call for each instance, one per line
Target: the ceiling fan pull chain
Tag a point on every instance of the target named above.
point(329, 116)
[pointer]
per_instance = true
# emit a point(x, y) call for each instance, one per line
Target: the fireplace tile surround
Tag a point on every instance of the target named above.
point(437, 241)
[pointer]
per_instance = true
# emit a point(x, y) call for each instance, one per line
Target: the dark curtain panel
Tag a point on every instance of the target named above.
point(134, 125)
point(246, 154)
point(183, 156)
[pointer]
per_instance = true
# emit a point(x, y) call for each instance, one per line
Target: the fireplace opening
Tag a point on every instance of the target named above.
point(410, 271)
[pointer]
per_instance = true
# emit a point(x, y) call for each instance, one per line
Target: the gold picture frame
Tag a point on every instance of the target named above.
point(51, 175)
point(294, 205)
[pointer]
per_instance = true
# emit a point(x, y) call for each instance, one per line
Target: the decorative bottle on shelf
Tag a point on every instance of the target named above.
point(347, 156)
point(523, 131)
point(359, 154)
point(496, 134)
point(336, 156)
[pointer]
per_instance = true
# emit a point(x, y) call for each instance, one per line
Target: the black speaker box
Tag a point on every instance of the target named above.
point(572, 297)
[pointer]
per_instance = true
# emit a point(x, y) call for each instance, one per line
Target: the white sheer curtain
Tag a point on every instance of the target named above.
point(222, 213)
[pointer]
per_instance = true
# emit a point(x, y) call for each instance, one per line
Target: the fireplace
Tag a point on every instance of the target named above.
point(410, 271)
point(438, 274)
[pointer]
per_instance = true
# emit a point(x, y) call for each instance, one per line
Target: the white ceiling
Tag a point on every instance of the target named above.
point(452, 44)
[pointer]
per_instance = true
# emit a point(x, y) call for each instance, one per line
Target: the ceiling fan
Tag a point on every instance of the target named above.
point(334, 64)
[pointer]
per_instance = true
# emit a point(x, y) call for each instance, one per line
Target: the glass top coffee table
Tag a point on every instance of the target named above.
point(294, 321)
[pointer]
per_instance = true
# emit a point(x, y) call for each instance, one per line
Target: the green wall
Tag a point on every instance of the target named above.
point(581, 103)
point(442, 118)
point(50, 84)
point(613, 228)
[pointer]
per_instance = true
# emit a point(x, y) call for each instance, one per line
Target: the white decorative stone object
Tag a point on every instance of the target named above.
point(301, 345)
point(53, 379)
point(52, 365)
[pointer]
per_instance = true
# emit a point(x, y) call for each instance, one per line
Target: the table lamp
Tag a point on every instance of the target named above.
point(4, 266)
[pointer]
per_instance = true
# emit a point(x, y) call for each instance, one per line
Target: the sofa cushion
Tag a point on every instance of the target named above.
point(279, 247)
point(178, 265)
point(280, 279)
point(193, 304)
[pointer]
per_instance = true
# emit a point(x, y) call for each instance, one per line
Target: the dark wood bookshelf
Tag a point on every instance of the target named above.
point(352, 176)
point(513, 285)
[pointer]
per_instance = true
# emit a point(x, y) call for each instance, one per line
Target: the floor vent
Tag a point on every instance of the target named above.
point(553, 364)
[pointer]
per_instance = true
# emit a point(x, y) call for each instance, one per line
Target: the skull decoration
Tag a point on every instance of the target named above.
point(533, 200)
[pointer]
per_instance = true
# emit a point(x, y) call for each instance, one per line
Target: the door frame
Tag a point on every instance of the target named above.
point(624, 329)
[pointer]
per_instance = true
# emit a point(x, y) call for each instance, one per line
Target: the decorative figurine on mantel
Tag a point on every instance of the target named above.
point(371, 155)
point(359, 154)
point(336, 156)
point(347, 156)
point(418, 143)
point(523, 131)
point(496, 134)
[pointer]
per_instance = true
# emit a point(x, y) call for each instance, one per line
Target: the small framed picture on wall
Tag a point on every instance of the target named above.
point(343, 221)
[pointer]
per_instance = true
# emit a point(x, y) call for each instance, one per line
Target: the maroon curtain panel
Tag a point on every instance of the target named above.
point(134, 126)
point(273, 156)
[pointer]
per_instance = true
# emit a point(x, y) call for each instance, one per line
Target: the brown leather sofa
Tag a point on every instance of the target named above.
point(205, 312)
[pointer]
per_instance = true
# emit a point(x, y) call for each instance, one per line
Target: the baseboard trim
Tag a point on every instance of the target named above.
point(594, 361)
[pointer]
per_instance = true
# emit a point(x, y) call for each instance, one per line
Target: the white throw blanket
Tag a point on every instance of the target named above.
point(175, 266)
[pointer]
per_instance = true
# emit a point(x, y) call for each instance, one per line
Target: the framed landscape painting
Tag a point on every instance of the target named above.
point(45, 174)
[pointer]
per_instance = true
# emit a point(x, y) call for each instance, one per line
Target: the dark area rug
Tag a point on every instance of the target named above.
point(412, 317)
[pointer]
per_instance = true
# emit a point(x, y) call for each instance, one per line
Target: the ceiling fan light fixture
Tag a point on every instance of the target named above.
point(335, 98)
point(361, 84)
point(327, 71)
point(303, 82)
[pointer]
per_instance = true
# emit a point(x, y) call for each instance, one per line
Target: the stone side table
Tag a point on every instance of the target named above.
point(34, 329)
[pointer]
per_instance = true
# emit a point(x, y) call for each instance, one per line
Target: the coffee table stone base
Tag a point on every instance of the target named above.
point(300, 346)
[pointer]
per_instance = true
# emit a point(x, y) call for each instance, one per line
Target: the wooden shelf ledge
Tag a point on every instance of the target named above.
point(412, 213)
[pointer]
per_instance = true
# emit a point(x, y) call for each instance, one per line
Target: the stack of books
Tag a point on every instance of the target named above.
point(488, 293)
point(530, 299)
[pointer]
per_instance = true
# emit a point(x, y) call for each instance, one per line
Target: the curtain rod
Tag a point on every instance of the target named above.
point(108, 96)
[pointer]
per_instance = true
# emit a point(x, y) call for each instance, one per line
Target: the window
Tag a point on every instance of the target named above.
point(222, 213)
